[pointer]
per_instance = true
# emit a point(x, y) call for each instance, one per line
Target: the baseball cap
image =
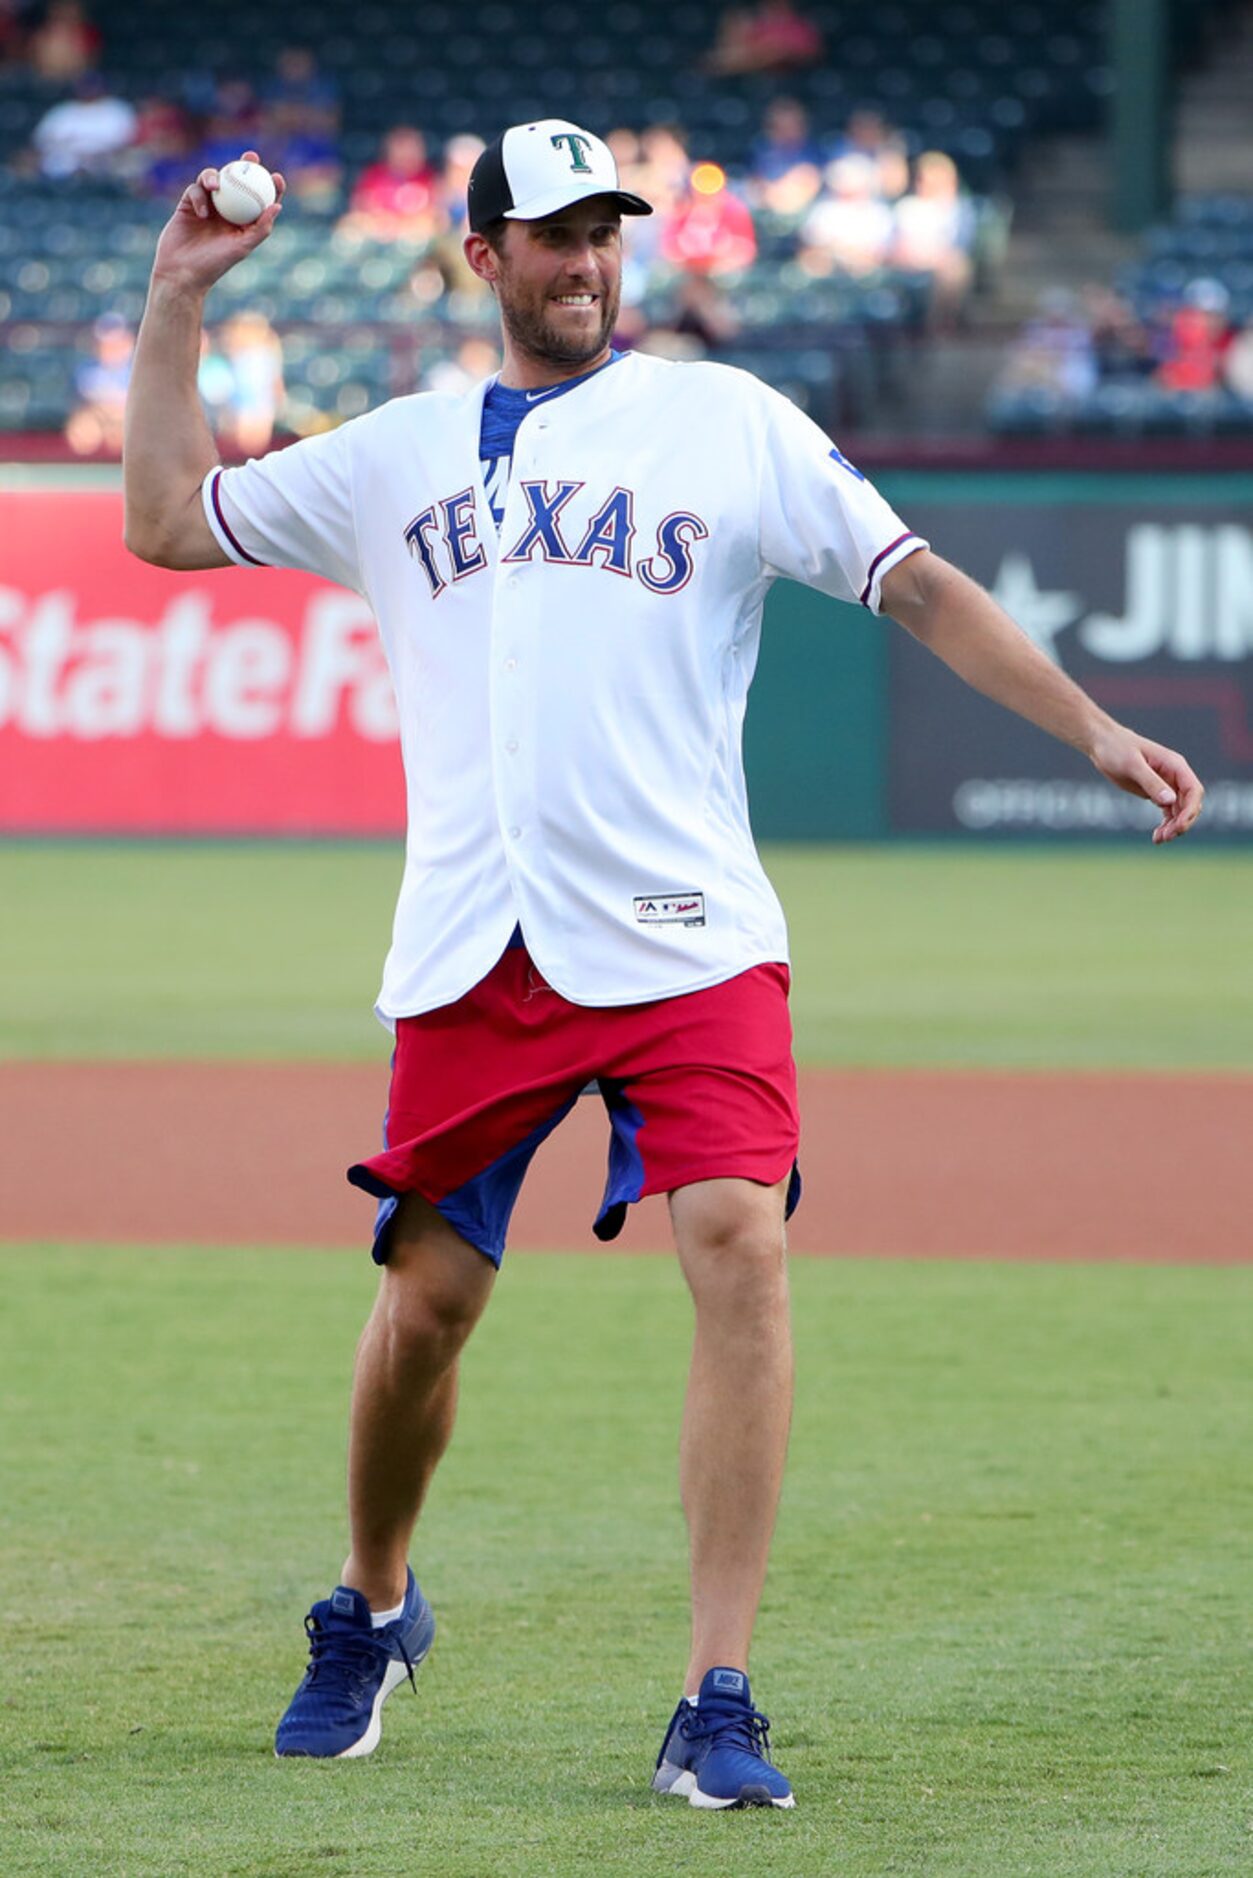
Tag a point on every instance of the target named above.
point(532, 170)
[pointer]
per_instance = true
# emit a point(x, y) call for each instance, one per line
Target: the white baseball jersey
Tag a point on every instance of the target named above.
point(571, 690)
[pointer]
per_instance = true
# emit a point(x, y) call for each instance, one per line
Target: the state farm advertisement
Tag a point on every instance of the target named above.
point(135, 700)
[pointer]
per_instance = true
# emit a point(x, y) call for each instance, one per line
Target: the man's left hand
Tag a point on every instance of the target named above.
point(1148, 769)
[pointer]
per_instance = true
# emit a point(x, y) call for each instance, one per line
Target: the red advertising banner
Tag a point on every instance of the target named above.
point(137, 700)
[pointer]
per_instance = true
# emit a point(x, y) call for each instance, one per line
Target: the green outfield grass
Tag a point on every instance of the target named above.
point(1006, 1630)
point(1101, 957)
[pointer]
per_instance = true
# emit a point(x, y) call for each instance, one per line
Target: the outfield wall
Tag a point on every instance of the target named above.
point(136, 700)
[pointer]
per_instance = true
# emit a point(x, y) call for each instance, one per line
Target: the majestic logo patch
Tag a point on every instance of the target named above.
point(670, 909)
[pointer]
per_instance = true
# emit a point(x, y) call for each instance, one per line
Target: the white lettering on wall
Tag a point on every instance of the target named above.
point(183, 673)
point(1187, 594)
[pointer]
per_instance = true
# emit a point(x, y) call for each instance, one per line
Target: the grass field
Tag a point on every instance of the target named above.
point(1006, 1630)
point(1103, 957)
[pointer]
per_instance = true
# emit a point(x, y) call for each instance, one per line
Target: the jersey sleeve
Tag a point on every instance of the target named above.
point(293, 508)
point(821, 522)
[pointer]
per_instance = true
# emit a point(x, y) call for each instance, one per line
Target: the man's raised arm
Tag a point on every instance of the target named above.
point(962, 624)
point(169, 448)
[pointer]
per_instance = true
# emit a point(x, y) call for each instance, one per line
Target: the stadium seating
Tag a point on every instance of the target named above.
point(972, 77)
point(1208, 244)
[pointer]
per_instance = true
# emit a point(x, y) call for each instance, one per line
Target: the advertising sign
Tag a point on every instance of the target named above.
point(1147, 602)
point(135, 700)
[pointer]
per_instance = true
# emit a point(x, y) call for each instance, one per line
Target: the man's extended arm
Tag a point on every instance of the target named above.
point(169, 448)
point(962, 624)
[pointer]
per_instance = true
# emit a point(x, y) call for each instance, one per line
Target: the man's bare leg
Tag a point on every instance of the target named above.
point(732, 1249)
point(431, 1294)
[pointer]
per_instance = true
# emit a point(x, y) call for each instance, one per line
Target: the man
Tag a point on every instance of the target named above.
point(568, 571)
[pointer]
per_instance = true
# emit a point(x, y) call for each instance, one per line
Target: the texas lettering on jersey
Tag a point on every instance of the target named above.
point(559, 531)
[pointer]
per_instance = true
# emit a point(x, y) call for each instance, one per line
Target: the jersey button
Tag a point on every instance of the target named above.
point(512, 746)
point(511, 665)
point(514, 833)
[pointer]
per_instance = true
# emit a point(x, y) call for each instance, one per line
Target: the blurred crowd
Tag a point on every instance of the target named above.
point(1081, 342)
point(856, 202)
point(861, 203)
point(240, 382)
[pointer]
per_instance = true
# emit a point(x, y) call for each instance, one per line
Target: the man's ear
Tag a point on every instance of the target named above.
point(482, 257)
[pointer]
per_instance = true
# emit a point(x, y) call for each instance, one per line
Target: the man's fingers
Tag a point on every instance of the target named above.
point(196, 196)
point(1181, 795)
point(1160, 775)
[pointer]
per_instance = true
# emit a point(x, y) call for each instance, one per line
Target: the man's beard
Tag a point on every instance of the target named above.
point(533, 333)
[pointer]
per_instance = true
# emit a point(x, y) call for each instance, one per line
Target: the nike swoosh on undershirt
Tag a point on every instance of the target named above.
point(549, 391)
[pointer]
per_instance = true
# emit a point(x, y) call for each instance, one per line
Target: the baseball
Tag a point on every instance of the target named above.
point(245, 189)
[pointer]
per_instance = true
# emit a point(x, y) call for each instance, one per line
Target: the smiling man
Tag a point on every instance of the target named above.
point(568, 568)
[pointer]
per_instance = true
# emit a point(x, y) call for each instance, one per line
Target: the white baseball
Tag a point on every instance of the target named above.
point(245, 189)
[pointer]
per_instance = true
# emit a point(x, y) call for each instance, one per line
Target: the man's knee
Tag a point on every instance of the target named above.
point(434, 1287)
point(731, 1239)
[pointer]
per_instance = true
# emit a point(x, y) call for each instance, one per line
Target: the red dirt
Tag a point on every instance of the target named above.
point(909, 1163)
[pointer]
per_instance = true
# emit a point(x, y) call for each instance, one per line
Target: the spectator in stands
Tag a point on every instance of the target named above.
point(14, 25)
point(785, 165)
point(311, 166)
point(1197, 338)
point(934, 231)
point(461, 153)
point(850, 227)
point(300, 97)
point(1121, 343)
point(476, 358)
point(666, 166)
point(214, 381)
point(1054, 354)
point(398, 198)
point(628, 154)
point(300, 118)
point(710, 231)
point(160, 151)
point(1238, 364)
point(867, 133)
point(704, 313)
point(84, 133)
point(233, 125)
point(94, 426)
point(66, 45)
point(771, 37)
point(254, 354)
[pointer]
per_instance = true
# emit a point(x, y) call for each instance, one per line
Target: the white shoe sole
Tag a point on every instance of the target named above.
point(393, 1676)
point(681, 1782)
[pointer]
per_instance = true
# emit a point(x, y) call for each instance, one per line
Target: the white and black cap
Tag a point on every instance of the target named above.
point(532, 170)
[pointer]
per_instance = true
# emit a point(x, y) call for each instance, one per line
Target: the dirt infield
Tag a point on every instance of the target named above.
point(909, 1163)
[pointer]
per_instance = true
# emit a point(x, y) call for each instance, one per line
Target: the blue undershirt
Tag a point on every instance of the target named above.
point(503, 410)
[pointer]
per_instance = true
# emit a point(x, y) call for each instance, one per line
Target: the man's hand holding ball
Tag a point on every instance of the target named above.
point(245, 191)
point(220, 219)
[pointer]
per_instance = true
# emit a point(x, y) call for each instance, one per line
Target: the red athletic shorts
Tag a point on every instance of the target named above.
point(697, 1087)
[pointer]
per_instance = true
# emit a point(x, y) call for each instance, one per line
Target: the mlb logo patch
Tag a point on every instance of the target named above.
point(670, 909)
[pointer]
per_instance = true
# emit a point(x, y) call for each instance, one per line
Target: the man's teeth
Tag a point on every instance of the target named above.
point(576, 299)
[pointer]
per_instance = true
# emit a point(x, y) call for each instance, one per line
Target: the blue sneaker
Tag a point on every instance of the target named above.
point(714, 1753)
point(336, 1713)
